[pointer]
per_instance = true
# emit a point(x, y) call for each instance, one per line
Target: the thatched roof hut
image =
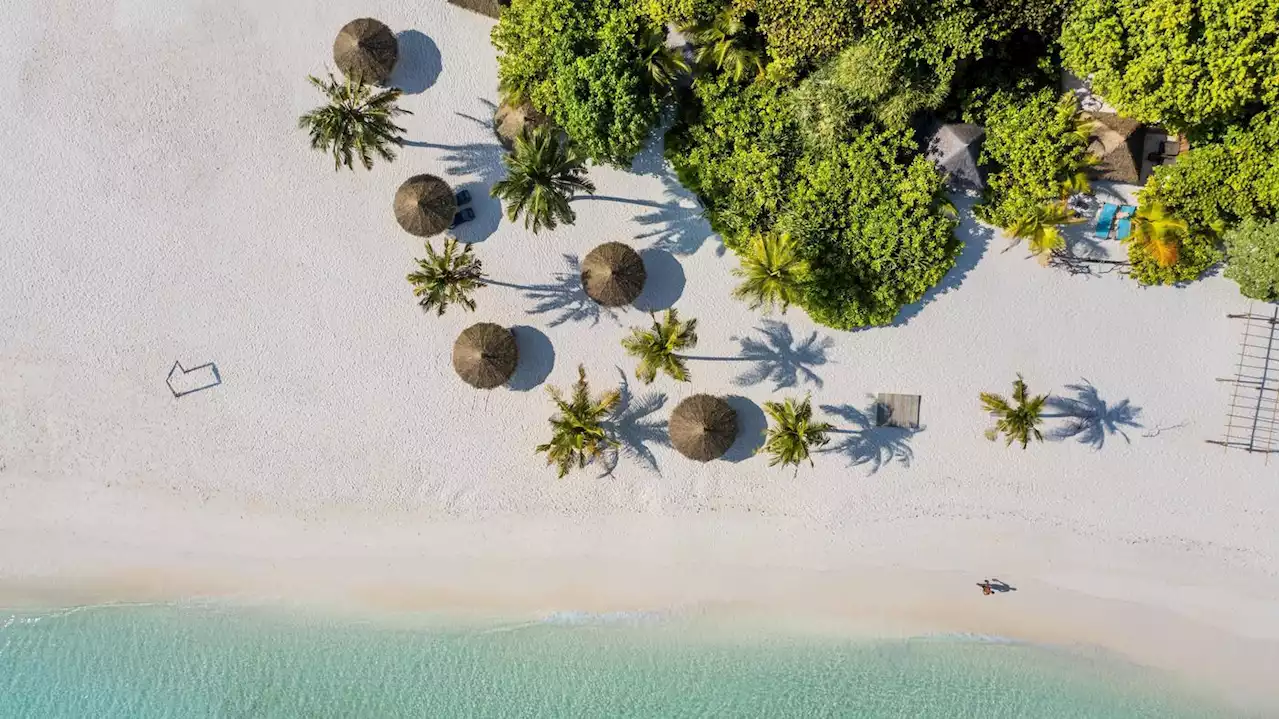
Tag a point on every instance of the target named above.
point(485, 355)
point(954, 149)
point(511, 120)
point(613, 274)
point(366, 49)
point(1118, 141)
point(703, 427)
point(425, 205)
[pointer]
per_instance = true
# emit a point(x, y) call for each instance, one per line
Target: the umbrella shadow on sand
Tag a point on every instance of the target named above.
point(418, 65)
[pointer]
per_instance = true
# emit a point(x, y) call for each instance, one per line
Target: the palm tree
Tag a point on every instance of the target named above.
point(1077, 176)
point(793, 433)
point(357, 122)
point(723, 43)
point(1156, 230)
point(447, 278)
point(662, 64)
point(1018, 421)
point(578, 436)
point(657, 348)
point(543, 173)
point(1039, 226)
point(773, 272)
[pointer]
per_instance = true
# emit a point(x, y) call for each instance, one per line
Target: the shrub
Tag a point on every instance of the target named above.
point(1196, 254)
point(1032, 143)
point(1192, 65)
point(1253, 258)
point(580, 63)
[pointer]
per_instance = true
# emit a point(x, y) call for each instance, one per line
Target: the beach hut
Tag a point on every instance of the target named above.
point(613, 274)
point(703, 427)
point(425, 205)
point(365, 49)
point(954, 149)
point(485, 355)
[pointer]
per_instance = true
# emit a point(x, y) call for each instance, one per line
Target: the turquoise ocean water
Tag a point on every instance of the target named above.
point(146, 662)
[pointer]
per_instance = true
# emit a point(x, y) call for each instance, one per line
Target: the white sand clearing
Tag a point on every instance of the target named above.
point(160, 206)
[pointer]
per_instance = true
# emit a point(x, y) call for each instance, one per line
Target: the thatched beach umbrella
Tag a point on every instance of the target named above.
point(425, 205)
point(703, 427)
point(485, 355)
point(511, 120)
point(613, 274)
point(366, 49)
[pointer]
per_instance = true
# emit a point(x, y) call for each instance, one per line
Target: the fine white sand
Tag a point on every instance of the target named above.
point(160, 205)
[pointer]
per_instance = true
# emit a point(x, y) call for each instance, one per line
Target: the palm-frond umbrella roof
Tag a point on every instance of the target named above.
point(613, 274)
point(425, 205)
point(366, 49)
point(485, 355)
point(703, 427)
point(511, 120)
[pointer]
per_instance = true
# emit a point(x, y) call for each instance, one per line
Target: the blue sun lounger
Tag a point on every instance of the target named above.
point(1122, 224)
point(1102, 230)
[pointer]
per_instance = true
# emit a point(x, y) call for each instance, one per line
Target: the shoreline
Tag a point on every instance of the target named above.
point(779, 574)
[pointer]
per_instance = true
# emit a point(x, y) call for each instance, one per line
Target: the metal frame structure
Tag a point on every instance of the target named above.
point(1251, 414)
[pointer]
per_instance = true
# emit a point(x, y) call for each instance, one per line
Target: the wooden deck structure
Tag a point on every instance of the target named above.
point(898, 410)
point(1251, 414)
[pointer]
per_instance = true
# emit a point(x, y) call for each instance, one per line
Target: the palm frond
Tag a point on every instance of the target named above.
point(356, 123)
point(773, 272)
point(578, 434)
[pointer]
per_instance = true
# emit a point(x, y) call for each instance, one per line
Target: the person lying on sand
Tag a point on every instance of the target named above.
point(986, 586)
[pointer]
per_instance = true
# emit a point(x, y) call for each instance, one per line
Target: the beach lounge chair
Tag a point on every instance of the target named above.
point(1122, 224)
point(1102, 230)
point(464, 215)
point(463, 197)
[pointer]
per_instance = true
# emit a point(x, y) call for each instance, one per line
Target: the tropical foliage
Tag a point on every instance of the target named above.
point(356, 124)
point(447, 278)
point(662, 65)
point(1191, 65)
point(773, 272)
point(1017, 421)
point(578, 433)
point(793, 433)
point(543, 173)
point(1253, 258)
point(585, 64)
point(1039, 227)
point(658, 348)
point(725, 43)
point(1036, 145)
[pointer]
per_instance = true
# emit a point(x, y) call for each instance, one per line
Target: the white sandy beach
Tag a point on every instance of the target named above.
point(161, 205)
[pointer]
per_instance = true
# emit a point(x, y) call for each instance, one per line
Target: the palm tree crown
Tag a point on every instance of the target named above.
point(657, 348)
point(543, 173)
point(578, 436)
point(662, 64)
point(1039, 226)
point(447, 278)
point(1017, 421)
point(723, 43)
point(1156, 230)
point(357, 122)
point(773, 272)
point(793, 432)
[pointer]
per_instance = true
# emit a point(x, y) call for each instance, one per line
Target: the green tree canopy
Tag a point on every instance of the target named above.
point(582, 63)
point(1253, 258)
point(1191, 65)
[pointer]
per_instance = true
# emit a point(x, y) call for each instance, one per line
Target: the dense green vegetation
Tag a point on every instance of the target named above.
point(1252, 260)
point(803, 120)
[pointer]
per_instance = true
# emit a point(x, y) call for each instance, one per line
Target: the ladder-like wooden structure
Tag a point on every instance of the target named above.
point(1251, 415)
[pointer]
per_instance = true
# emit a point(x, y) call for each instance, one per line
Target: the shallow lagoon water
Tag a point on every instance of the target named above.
point(147, 662)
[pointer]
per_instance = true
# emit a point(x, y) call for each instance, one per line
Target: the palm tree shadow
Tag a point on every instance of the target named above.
point(482, 160)
point(867, 444)
point(679, 225)
point(634, 427)
point(779, 358)
point(1091, 419)
point(565, 296)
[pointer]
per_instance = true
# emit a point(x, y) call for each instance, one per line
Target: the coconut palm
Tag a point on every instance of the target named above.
point(357, 122)
point(723, 43)
point(1016, 421)
point(578, 435)
point(1077, 176)
point(447, 278)
point(1039, 226)
point(662, 64)
point(543, 173)
point(793, 433)
point(1155, 230)
point(773, 272)
point(657, 348)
